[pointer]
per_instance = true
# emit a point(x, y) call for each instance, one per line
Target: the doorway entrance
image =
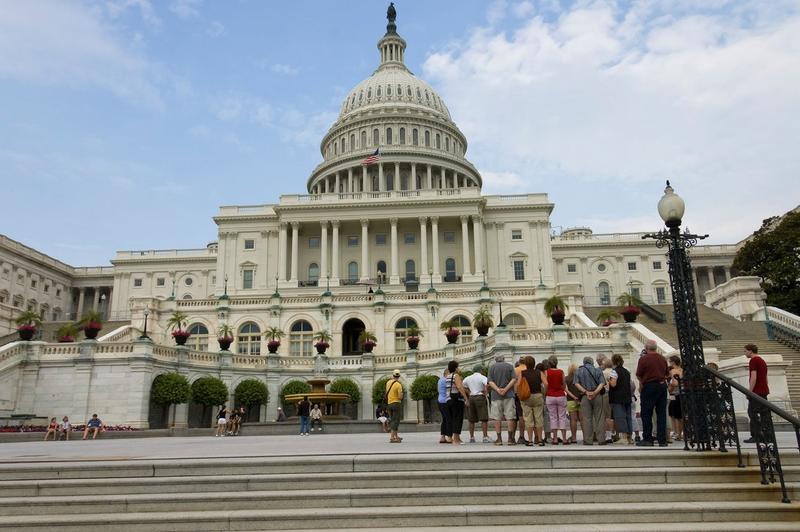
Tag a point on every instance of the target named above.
point(351, 330)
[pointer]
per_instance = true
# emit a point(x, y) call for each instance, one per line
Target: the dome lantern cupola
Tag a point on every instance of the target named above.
point(391, 46)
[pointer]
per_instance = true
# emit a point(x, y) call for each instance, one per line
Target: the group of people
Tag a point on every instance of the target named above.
point(229, 421)
point(541, 402)
point(62, 431)
point(310, 416)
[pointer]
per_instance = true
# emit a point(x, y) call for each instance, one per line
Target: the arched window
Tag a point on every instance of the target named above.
point(375, 137)
point(352, 271)
point(411, 271)
point(352, 141)
point(427, 139)
point(514, 321)
point(402, 135)
point(446, 144)
point(389, 181)
point(248, 341)
point(388, 135)
point(300, 339)
point(342, 141)
point(199, 337)
point(604, 292)
point(313, 273)
point(415, 137)
point(401, 333)
point(363, 139)
point(187, 296)
point(438, 142)
point(335, 148)
point(464, 326)
point(450, 270)
point(382, 271)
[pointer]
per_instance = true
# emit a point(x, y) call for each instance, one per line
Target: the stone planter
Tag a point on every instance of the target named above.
point(452, 336)
point(321, 347)
point(272, 346)
point(66, 340)
point(482, 330)
point(180, 337)
point(26, 333)
point(368, 347)
point(630, 314)
point(91, 330)
point(413, 342)
point(224, 343)
point(558, 318)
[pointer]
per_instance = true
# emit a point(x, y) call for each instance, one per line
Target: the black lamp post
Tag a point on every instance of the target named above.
point(696, 386)
point(500, 302)
point(144, 332)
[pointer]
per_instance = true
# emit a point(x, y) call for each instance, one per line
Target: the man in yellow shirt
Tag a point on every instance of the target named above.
point(394, 401)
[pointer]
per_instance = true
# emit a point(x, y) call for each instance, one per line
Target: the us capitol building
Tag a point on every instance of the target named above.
point(408, 240)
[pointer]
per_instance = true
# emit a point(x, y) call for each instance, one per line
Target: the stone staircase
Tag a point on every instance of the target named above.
point(49, 328)
point(615, 487)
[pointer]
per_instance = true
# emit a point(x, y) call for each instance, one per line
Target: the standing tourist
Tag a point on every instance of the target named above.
point(394, 401)
point(674, 387)
point(620, 397)
point(477, 387)
point(501, 383)
point(573, 403)
point(222, 421)
point(556, 400)
point(532, 409)
point(304, 410)
point(316, 418)
point(758, 385)
point(652, 373)
point(457, 397)
point(446, 428)
point(590, 383)
point(604, 363)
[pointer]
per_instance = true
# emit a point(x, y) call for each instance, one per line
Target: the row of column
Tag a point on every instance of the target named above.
point(338, 182)
point(79, 308)
point(364, 273)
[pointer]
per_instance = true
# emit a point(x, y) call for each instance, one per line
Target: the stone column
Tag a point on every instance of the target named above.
point(429, 185)
point(295, 250)
point(394, 277)
point(414, 177)
point(81, 297)
point(323, 251)
point(336, 184)
point(710, 274)
point(365, 185)
point(350, 180)
point(727, 274)
point(381, 180)
point(282, 251)
point(335, 253)
point(423, 249)
point(502, 264)
point(397, 182)
point(435, 240)
point(477, 238)
point(365, 269)
point(443, 178)
point(694, 282)
point(465, 247)
point(96, 299)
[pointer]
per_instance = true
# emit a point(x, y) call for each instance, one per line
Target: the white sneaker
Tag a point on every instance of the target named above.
point(486, 439)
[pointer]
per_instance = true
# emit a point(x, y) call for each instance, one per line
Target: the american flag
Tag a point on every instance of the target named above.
point(372, 159)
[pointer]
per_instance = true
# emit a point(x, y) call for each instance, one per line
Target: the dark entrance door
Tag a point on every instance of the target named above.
point(351, 330)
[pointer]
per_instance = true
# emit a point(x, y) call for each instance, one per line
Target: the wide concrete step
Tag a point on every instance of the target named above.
point(402, 479)
point(533, 458)
point(316, 516)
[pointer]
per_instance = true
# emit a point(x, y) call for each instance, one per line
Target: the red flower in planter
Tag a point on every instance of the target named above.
point(321, 345)
point(27, 327)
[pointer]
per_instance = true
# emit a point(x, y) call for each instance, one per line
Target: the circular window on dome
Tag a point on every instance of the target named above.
point(601, 267)
point(188, 281)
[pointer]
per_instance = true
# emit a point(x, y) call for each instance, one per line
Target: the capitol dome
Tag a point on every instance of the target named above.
point(400, 117)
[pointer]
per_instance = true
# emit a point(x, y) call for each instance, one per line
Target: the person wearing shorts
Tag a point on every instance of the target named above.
point(533, 406)
point(501, 384)
point(477, 385)
point(94, 425)
point(222, 421)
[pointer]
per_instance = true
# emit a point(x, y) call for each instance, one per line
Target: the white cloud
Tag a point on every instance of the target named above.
point(59, 43)
point(216, 29)
point(200, 131)
point(116, 8)
point(600, 100)
point(185, 8)
point(288, 70)
point(233, 106)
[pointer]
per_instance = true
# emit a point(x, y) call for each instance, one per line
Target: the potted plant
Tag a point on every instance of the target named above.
point(323, 339)
point(177, 322)
point(607, 317)
point(224, 337)
point(67, 333)
point(630, 306)
point(27, 324)
point(91, 323)
point(368, 340)
point(450, 331)
point(413, 336)
point(275, 335)
point(555, 307)
point(482, 320)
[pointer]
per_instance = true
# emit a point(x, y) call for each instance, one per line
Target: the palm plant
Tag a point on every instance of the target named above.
point(275, 335)
point(450, 330)
point(627, 299)
point(413, 334)
point(555, 305)
point(482, 320)
point(607, 316)
point(177, 321)
point(225, 331)
point(29, 319)
point(91, 322)
point(67, 332)
point(368, 340)
point(323, 338)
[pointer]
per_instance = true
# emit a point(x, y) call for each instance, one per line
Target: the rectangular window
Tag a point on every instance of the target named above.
point(572, 268)
point(636, 292)
point(247, 279)
point(58, 292)
point(137, 283)
point(160, 281)
point(516, 234)
point(449, 236)
point(313, 242)
point(656, 264)
point(661, 294)
point(352, 241)
point(46, 288)
point(5, 273)
point(249, 243)
point(409, 238)
point(380, 239)
point(33, 283)
point(20, 279)
point(631, 266)
point(213, 280)
point(519, 270)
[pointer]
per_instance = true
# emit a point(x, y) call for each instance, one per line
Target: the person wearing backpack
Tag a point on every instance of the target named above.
point(530, 389)
point(394, 402)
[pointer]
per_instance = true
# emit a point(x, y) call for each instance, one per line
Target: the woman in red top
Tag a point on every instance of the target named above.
point(556, 400)
point(51, 429)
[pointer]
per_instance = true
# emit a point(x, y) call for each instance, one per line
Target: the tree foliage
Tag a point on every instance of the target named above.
point(293, 387)
point(425, 387)
point(379, 389)
point(170, 389)
point(251, 392)
point(774, 255)
point(348, 386)
point(209, 391)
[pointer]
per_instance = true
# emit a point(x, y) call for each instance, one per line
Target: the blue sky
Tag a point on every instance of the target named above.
point(126, 123)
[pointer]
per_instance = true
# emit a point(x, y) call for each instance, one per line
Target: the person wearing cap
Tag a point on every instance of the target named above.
point(653, 372)
point(394, 402)
point(478, 410)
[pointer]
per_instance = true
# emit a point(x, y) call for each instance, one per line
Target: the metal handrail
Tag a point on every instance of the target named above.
point(709, 334)
point(783, 334)
point(769, 460)
point(653, 313)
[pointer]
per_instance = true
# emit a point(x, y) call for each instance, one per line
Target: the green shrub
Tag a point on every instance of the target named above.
point(425, 387)
point(293, 387)
point(348, 386)
point(209, 391)
point(378, 390)
point(170, 389)
point(251, 392)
